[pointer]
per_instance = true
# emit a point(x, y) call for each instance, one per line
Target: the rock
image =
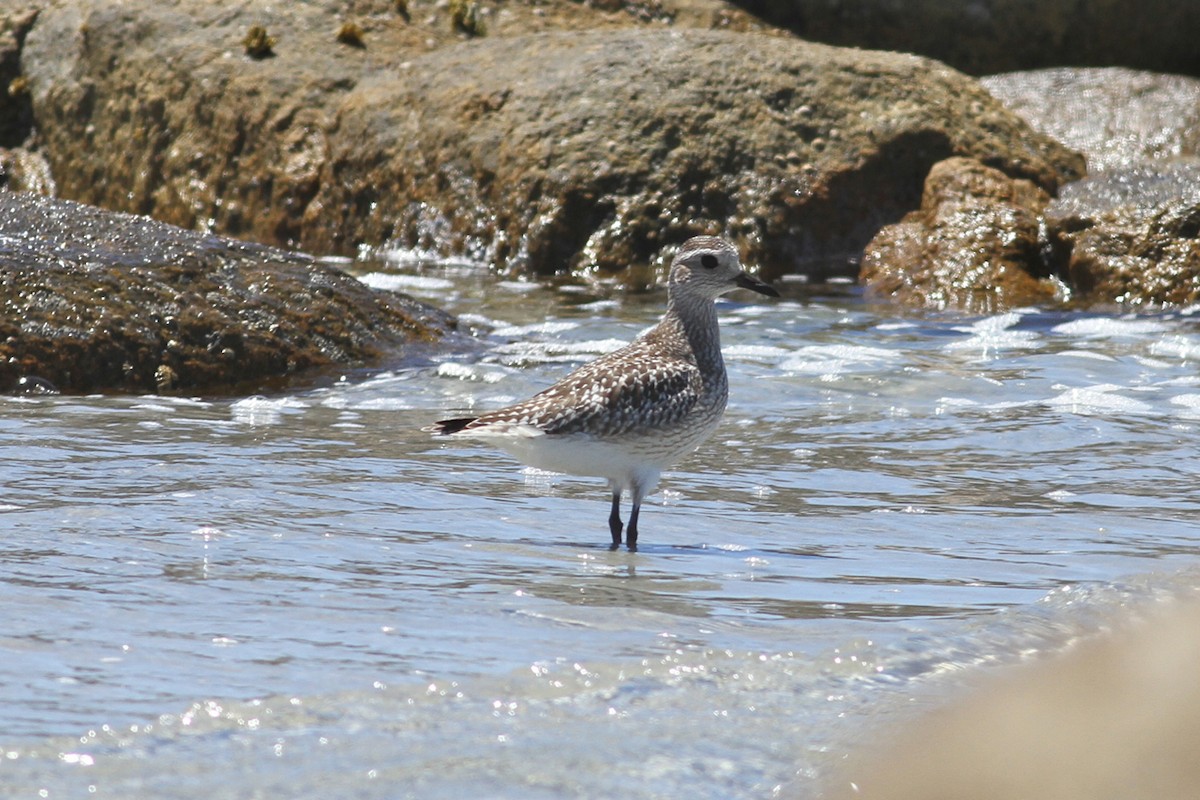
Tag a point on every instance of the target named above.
point(16, 110)
point(1116, 117)
point(99, 301)
point(973, 246)
point(623, 141)
point(986, 36)
point(23, 170)
point(1116, 717)
point(983, 242)
point(1133, 235)
point(158, 107)
point(541, 153)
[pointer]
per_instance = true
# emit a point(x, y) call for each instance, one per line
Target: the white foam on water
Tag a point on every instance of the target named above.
point(519, 287)
point(535, 329)
point(1085, 354)
point(993, 335)
point(1105, 327)
point(759, 352)
point(259, 410)
point(1189, 405)
point(1099, 399)
point(558, 351)
point(838, 359)
point(1182, 347)
point(469, 372)
point(395, 282)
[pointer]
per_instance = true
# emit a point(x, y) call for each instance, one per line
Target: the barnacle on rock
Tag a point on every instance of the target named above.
point(258, 42)
point(467, 16)
point(351, 33)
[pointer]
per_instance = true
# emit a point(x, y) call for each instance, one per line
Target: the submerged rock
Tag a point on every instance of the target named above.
point(542, 153)
point(99, 301)
point(974, 244)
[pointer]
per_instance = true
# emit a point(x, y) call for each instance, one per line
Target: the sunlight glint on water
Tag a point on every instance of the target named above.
point(310, 592)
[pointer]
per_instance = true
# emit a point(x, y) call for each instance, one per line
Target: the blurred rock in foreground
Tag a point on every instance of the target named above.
point(99, 301)
point(1117, 718)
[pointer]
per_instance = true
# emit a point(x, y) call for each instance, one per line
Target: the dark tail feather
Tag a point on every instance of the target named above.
point(446, 427)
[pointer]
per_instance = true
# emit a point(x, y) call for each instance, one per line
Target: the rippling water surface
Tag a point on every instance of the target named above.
point(306, 596)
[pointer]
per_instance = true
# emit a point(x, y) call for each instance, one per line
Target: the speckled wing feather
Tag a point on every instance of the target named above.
point(633, 389)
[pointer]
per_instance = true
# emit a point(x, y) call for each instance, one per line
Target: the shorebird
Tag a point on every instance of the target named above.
point(630, 414)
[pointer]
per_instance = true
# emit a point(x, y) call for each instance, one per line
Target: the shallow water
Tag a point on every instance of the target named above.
point(306, 596)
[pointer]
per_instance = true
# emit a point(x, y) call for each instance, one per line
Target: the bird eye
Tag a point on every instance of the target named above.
point(708, 261)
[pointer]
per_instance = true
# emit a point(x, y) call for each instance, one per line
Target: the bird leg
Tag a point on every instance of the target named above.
point(631, 532)
point(614, 520)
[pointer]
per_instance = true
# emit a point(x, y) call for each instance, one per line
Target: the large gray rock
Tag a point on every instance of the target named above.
point(99, 301)
point(985, 36)
point(541, 153)
point(1116, 117)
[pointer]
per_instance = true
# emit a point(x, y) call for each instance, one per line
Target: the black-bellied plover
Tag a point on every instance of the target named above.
point(630, 414)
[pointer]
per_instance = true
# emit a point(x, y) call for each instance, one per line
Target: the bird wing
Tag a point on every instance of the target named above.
point(630, 390)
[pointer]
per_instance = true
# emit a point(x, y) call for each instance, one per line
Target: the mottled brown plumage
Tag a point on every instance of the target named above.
point(629, 414)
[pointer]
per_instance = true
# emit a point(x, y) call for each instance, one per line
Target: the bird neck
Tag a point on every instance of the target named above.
point(696, 318)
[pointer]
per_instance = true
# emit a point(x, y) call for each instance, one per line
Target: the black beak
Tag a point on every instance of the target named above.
point(747, 281)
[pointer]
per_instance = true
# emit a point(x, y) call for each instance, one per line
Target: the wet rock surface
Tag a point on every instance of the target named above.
point(622, 141)
point(586, 138)
point(1133, 235)
point(974, 244)
point(1123, 238)
point(542, 153)
point(169, 109)
point(100, 301)
point(986, 36)
point(1129, 230)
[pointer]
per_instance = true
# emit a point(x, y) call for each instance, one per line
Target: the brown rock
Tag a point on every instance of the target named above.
point(23, 170)
point(973, 245)
point(99, 301)
point(623, 141)
point(540, 153)
point(1133, 235)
